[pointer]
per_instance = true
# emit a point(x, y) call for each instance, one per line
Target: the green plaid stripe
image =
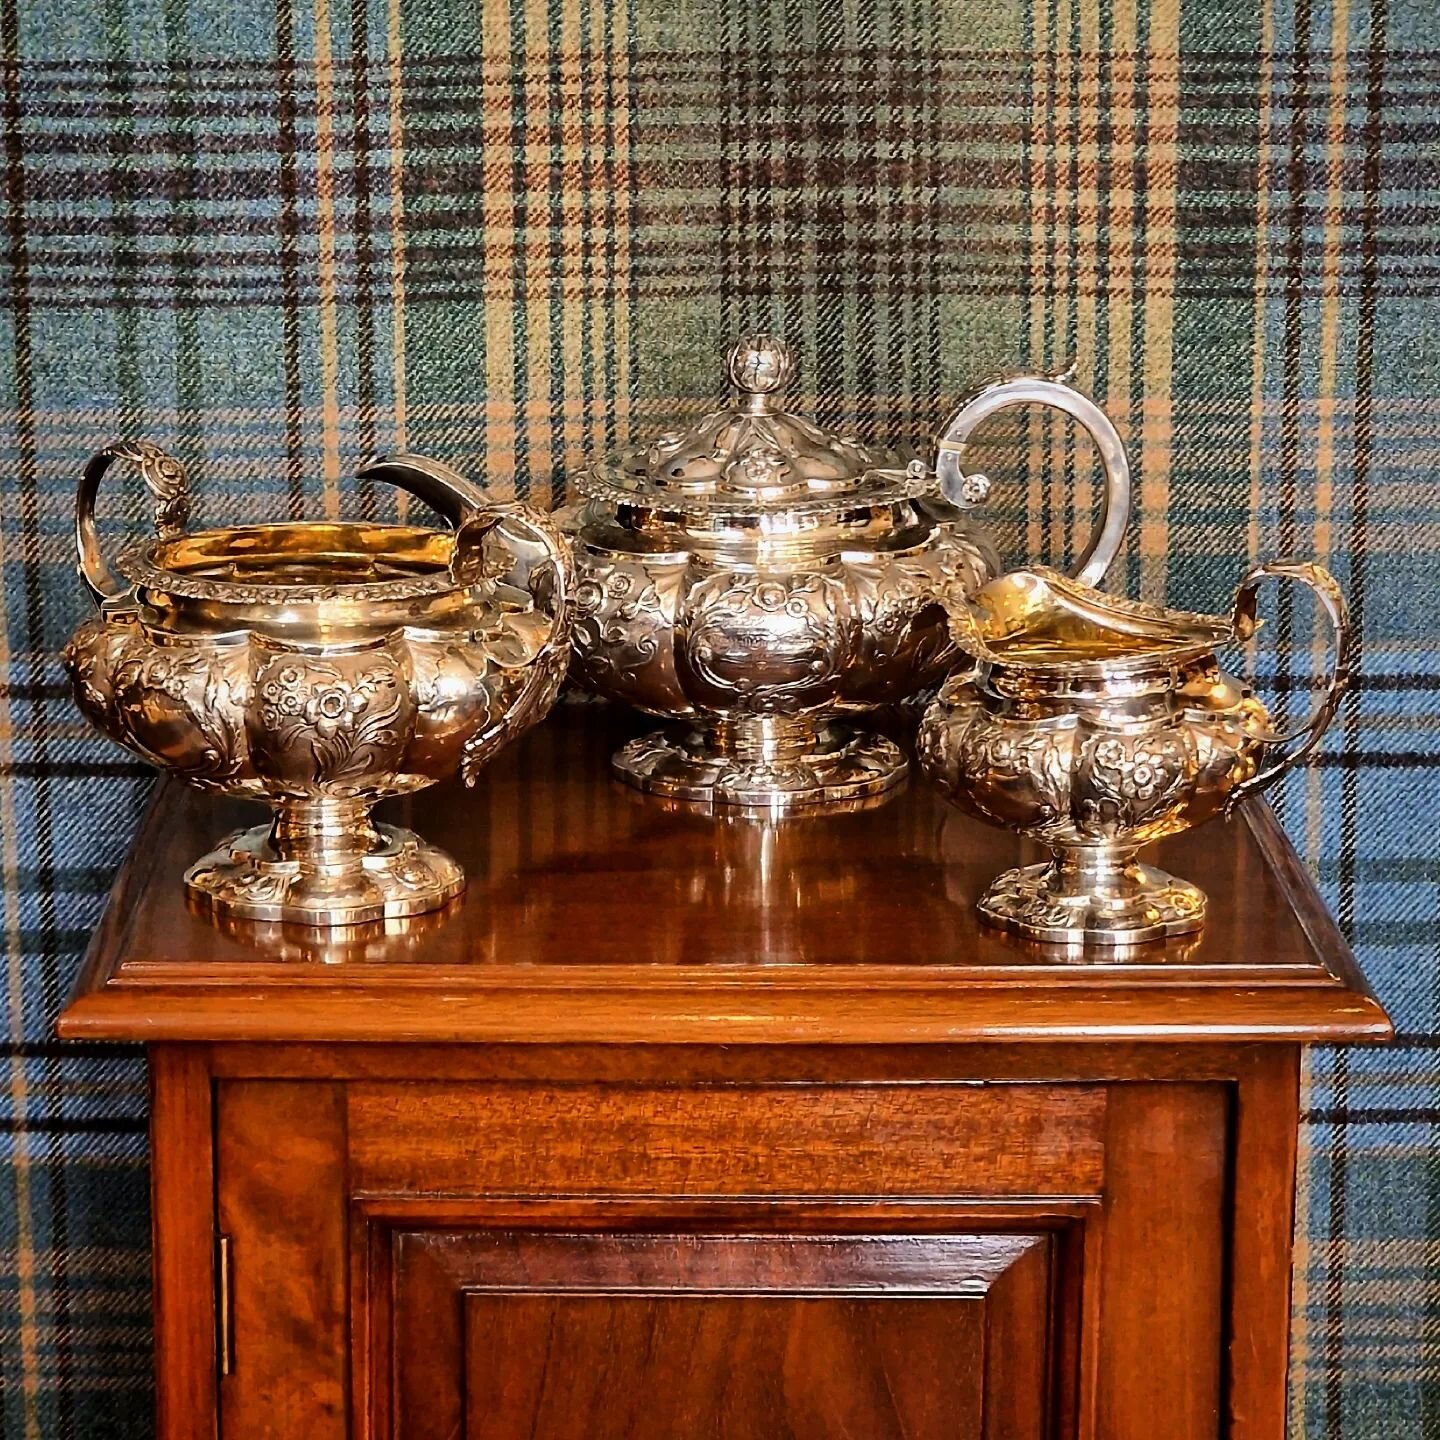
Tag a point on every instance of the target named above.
point(513, 234)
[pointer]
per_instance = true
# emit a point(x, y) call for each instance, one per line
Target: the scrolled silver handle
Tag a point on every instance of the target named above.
point(164, 477)
point(1114, 513)
point(532, 555)
point(1307, 736)
point(536, 559)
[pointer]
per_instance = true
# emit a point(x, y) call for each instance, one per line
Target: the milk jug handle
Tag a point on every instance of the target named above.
point(1114, 512)
point(1294, 745)
point(164, 477)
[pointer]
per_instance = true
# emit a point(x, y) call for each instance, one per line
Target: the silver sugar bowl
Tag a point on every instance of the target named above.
point(761, 584)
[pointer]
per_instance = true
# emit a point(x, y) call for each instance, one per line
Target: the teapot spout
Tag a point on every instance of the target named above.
point(445, 491)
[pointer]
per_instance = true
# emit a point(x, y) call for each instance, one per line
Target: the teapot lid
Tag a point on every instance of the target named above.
point(753, 456)
point(1039, 619)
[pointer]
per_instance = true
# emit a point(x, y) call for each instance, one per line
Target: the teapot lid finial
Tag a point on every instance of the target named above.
point(760, 368)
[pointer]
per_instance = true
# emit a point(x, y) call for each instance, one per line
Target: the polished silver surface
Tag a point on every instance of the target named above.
point(965, 490)
point(762, 584)
point(1096, 726)
point(319, 667)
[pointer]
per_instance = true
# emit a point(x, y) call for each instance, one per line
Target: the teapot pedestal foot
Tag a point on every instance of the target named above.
point(770, 763)
point(298, 875)
point(1090, 898)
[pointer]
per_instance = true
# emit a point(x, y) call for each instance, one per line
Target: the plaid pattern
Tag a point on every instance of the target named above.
point(276, 238)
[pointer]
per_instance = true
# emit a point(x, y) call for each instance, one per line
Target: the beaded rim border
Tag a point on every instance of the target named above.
point(617, 481)
point(135, 562)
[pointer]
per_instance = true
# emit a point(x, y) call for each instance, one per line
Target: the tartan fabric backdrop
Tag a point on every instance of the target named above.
point(512, 234)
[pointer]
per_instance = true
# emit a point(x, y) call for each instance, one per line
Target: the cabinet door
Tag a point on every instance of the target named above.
point(526, 1336)
point(705, 1261)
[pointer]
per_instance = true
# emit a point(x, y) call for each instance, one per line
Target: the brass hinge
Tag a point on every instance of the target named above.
point(224, 1306)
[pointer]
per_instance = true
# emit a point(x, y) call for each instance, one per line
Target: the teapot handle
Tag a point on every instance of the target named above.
point(964, 491)
point(164, 477)
point(1307, 736)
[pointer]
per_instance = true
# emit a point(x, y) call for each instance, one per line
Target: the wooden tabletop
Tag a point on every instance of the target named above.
point(595, 914)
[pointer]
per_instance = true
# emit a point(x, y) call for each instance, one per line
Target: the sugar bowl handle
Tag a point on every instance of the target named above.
point(969, 490)
point(164, 477)
point(520, 546)
point(1296, 744)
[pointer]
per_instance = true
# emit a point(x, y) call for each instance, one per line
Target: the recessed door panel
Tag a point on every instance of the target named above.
point(722, 1337)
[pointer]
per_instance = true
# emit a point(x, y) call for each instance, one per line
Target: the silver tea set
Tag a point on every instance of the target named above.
point(762, 587)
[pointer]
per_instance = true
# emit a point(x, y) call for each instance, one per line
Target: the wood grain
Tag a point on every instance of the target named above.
point(794, 1139)
point(282, 1194)
point(1266, 1122)
point(183, 1244)
point(630, 1367)
point(597, 915)
point(1159, 1337)
point(567, 1336)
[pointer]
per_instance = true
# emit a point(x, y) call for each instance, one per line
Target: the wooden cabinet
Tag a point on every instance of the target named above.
point(677, 1127)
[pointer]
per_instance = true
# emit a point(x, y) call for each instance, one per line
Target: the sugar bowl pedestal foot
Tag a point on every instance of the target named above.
point(324, 864)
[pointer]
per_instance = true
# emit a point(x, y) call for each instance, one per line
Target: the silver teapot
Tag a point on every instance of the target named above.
point(761, 584)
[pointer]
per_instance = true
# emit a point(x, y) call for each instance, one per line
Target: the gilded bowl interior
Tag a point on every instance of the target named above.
point(1038, 618)
point(298, 561)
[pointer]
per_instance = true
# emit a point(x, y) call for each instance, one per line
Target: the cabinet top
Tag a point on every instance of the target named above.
point(595, 914)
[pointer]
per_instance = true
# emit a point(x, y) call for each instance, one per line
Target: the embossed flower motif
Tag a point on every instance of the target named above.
point(762, 465)
point(1139, 774)
point(281, 696)
point(1127, 781)
point(1002, 753)
point(588, 596)
point(619, 584)
point(335, 707)
point(162, 673)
